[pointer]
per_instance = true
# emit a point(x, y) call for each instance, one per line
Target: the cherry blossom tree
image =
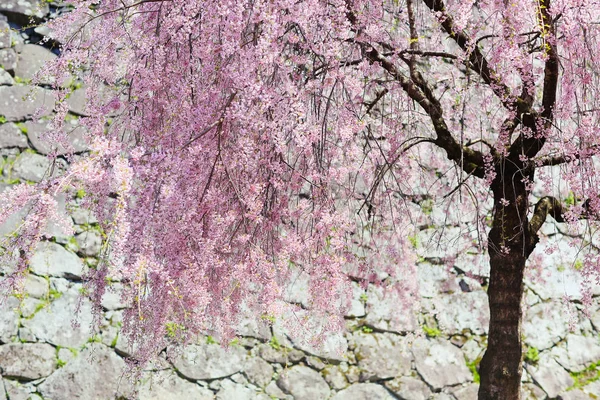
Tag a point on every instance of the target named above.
point(233, 140)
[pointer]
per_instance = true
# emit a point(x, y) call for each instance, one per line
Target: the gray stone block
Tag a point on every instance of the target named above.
point(258, 371)
point(89, 242)
point(32, 167)
point(54, 323)
point(12, 136)
point(8, 59)
point(21, 11)
point(463, 312)
point(230, 390)
point(9, 319)
point(207, 361)
point(167, 385)
point(364, 391)
point(16, 390)
point(27, 361)
point(31, 60)
point(303, 383)
point(334, 377)
point(409, 388)
point(381, 355)
point(550, 376)
point(18, 103)
point(51, 259)
point(577, 352)
point(440, 363)
point(5, 78)
point(544, 324)
point(73, 380)
point(4, 34)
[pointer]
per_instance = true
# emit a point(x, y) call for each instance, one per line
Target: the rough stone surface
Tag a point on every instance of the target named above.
point(8, 59)
point(9, 319)
point(18, 103)
point(31, 167)
point(409, 388)
point(31, 60)
point(592, 388)
point(282, 355)
point(27, 361)
point(529, 391)
point(11, 136)
point(576, 394)
point(357, 305)
point(258, 371)
point(383, 312)
point(232, 390)
point(53, 324)
point(90, 242)
point(297, 290)
point(544, 325)
point(578, 352)
point(364, 391)
point(550, 376)
point(275, 392)
point(2, 389)
point(434, 278)
point(112, 300)
point(51, 259)
point(381, 356)
point(440, 363)
point(22, 10)
point(463, 313)
point(72, 381)
point(4, 34)
point(334, 377)
point(77, 102)
point(166, 385)
point(467, 392)
point(303, 383)
point(16, 390)
point(208, 361)
point(81, 216)
point(5, 78)
point(37, 287)
point(65, 355)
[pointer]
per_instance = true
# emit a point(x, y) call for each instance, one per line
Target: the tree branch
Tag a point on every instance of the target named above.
point(546, 205)
point(471, 161)
point(476, 58)
point(530, 146)
point(550, 160)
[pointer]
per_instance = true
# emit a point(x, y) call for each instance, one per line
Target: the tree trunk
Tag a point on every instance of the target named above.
point(509, 245)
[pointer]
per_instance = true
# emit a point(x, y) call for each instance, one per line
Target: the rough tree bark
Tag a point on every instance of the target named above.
point(509, 245)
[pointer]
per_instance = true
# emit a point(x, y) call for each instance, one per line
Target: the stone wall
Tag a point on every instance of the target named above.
point(382, 355)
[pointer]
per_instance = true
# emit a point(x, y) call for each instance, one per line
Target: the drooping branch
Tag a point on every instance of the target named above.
point(470, 160)
point(476, 58)
point(547, 205)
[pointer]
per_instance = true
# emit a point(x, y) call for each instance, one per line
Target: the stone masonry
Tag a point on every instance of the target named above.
point(380, 356)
